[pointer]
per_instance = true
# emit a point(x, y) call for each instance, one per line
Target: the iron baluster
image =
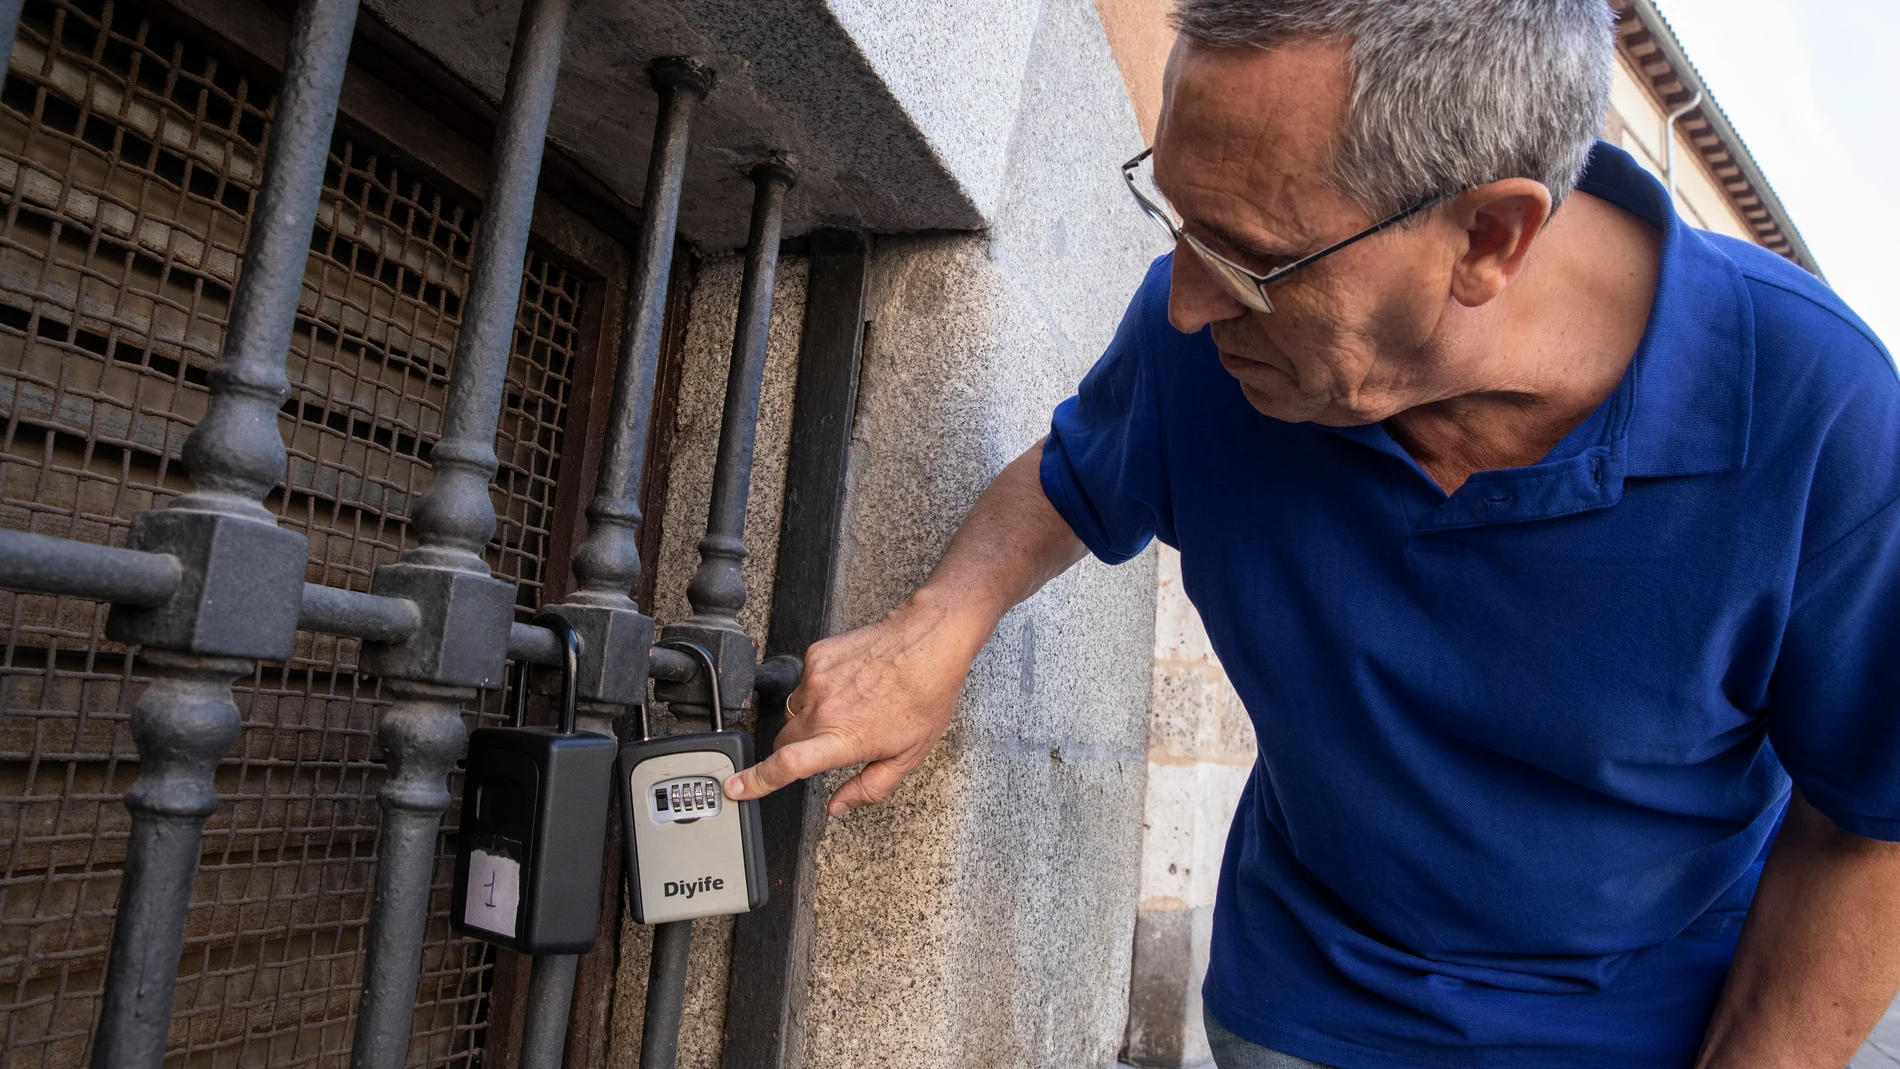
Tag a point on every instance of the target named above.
point(466, 614)
point(550, 994)
point(770, 973)
point(666, 995)
point(455, 519)
point(607, 563)
point(611, 678)
point(183, 724)
point(240, 575)
point(717, 590)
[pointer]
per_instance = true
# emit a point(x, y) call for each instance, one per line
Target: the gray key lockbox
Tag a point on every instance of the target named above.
point(691, 851)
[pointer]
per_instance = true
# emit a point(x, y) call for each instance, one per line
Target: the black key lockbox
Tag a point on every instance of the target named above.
point(534, 828)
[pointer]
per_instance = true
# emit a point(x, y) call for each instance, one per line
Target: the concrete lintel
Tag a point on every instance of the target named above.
point(897, 114)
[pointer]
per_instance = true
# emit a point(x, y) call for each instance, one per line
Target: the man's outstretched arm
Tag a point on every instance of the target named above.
point(1819, 958)
point(884, 694)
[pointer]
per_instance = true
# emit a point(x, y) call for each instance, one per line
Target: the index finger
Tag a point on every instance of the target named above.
point(791, 762)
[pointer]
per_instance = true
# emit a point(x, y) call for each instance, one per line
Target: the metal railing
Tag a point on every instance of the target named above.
point(210, 584)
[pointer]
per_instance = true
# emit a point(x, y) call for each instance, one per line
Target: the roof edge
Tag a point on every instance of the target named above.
point(1748, 189)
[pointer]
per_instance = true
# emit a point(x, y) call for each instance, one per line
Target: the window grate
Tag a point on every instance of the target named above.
point(129, 156)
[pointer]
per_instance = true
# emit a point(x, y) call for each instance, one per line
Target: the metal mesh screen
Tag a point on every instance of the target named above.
point(129, 156)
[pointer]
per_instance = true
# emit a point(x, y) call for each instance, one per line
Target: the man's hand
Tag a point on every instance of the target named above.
point(1819, 958)
point(884, 694)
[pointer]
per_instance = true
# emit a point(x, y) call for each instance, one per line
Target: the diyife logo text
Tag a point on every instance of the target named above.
point(689, 888)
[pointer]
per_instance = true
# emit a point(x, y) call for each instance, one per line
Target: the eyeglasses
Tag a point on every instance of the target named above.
point(1247, 287)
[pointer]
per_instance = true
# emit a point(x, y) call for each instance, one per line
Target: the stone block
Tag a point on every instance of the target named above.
point(1233, 739)
point(238, 594)
point(463, 640)
point(1185, 817)
point(1184, 709)
point(936, 59)
point(1165, 1030)
point(1179, 634)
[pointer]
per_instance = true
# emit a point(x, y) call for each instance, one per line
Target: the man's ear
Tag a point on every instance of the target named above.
point(1500, 221)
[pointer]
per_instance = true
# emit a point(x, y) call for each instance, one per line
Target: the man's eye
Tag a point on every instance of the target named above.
point(1263, 265)
point(1259, 263)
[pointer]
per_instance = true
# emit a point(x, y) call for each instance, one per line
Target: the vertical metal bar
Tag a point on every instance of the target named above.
point(824, 403)
point(455, 519)
point(186, 720)
point(422, 734)
point(717, 590)
point(183, 724)
point(769, 984)
point(607, 564)
point(550, 993)
point(666, 995)
point(236, 453)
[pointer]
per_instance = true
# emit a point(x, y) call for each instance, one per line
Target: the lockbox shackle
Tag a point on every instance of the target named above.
point(570, 668)
point(706, 660)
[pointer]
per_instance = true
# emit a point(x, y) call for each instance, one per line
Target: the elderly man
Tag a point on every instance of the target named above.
point(1553, 546)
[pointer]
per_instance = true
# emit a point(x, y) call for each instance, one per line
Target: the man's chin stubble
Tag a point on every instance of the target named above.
point(1291, 406)
point(1279, 398)
point(1277, 404)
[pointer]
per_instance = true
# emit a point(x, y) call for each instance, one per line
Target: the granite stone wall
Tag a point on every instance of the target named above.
point(985, 916)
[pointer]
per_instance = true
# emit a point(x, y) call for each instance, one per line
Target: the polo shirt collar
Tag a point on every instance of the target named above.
point(1683, 407)
point(1693, 377)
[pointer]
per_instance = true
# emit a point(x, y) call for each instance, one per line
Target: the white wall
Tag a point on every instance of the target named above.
point(1636, 125)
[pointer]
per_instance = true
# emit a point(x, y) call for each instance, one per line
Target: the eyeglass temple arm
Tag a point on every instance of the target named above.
point(1376, 228)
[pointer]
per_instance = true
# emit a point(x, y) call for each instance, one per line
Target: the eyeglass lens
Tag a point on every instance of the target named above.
point(1239, 284)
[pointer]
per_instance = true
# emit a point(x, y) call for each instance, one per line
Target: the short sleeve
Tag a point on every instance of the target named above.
point(1835, 720)
point(1102, 467)
point(1834, 705)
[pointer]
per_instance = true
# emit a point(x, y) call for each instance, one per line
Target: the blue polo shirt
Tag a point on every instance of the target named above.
point(1522, 749)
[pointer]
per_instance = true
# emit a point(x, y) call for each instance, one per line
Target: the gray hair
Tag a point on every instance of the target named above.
point(1447, 94)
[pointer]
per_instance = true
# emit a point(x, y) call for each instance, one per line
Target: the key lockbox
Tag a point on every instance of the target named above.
point(534, 827)
point(691, 851)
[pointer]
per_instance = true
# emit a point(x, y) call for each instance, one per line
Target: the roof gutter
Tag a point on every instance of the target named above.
point(1669, 139)
point(1665, 38)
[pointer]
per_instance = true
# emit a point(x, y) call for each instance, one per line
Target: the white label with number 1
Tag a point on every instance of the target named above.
point(494, 892)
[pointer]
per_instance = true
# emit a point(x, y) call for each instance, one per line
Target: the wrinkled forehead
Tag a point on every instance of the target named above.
point(1251, 130)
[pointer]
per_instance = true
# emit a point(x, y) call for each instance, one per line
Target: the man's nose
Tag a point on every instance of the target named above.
point(1195, 297)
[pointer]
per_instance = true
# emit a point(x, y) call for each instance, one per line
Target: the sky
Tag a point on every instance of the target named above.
point(1813, 87)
